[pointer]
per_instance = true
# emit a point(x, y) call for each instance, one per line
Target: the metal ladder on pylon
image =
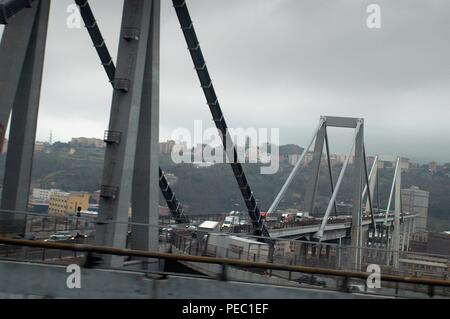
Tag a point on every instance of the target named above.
point(174, 205)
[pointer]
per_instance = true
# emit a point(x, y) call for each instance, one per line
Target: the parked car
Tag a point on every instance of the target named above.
point(354, 288)
point(311, 280)
point(80, 236)
point(191, 228)
point(54, 238)
point(63, 236)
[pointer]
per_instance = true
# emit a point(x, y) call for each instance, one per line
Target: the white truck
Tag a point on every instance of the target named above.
point(234, 219)
point(224, 246)
point(229, 222)
point(288, 217)
point(209, 226)
point(301, 216)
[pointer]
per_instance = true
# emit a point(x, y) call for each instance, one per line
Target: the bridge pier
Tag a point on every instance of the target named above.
point(357, 201)
point(403, 236)
point(327, 251)
point(380, 238)
point(388, 246)
point(313, 250)
point(410, 230)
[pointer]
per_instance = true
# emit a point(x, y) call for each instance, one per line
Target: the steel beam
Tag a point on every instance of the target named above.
point(25, 108)
point(122, 136)
point(342, 122)
point(218, 117)
point(9, 8)
point(145, 197)
point(97, 38)
point(24, 118)
point(13, 49)
point(174, 205)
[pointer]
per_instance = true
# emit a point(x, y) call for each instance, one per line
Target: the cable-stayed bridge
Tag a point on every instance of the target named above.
point(131, 172)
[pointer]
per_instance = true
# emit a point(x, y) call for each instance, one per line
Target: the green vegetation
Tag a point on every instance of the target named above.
point(213, 189)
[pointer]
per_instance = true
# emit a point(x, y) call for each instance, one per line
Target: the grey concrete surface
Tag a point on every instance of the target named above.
point(32, 280)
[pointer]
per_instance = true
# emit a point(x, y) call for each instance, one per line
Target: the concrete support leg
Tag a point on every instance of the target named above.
point(358, 167)
point(381, 245)
point(339, 254)
point(364, 246)
point(132, 68)
point(404, 231)
point(388, 246)
point(315, 168)
point(380, 237)
point(410, 224)
point(305, 248)
point(398, 208)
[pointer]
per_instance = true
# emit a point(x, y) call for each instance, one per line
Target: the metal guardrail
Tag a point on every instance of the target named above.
point(312, 254)
point(290, 252)
point(14, 223)
point(222, 261)
point(346, 222)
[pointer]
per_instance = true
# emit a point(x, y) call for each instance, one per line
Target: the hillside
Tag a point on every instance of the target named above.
point(214, 190)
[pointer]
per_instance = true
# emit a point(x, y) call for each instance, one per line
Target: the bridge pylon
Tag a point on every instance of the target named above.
point(22, 50)
point(131, 174)
point(360, 177)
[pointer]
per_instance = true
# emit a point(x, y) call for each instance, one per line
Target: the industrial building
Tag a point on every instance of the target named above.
point(416, 201)
point(66, 203)
point(42, 195)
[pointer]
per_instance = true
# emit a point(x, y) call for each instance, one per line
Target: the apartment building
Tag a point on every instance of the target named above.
point(67, 203)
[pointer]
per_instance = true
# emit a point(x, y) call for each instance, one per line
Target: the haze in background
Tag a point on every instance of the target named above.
point(274, 63)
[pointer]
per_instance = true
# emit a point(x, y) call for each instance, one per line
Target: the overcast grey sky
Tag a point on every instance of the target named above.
point(274, 63)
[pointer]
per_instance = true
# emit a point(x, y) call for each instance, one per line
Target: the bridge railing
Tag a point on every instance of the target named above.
point(268, 273)
point(40, 226)
point(317, 254)
point(191, 242)
point(315, 221)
